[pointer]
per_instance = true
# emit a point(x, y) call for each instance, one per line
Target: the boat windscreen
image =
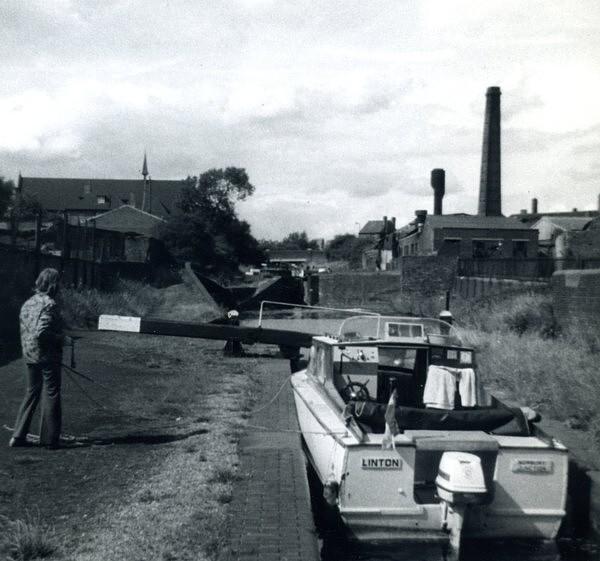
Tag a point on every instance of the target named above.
point(400, 329)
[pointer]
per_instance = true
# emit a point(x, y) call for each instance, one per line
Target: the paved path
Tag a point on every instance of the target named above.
point(272, 518)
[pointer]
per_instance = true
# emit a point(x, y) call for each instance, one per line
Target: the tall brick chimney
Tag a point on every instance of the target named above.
point(438, 183)
point(490, 193)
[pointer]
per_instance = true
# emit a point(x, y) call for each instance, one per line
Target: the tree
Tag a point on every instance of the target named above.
point(206, 229)
point(27, 207)
point(294, 240)
point(347, 247)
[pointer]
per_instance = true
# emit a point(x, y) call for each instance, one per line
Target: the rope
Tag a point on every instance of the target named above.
point(84, 392)
point(85, 377)
point(295, 431)
point(272, 399)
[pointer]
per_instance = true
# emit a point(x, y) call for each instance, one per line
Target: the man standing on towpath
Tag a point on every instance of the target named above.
point(41, 341)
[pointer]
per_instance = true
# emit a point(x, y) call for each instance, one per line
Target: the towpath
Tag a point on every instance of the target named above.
point(272, 518)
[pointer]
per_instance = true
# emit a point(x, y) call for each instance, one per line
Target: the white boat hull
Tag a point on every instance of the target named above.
point(377, 499)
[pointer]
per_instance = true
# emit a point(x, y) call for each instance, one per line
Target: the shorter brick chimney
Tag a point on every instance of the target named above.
point(438, 183)
point(534, 206)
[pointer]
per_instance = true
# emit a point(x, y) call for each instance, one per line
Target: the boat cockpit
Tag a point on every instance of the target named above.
point(419, 365)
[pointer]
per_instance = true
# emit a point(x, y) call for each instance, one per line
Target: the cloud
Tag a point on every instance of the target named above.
point(338, 111)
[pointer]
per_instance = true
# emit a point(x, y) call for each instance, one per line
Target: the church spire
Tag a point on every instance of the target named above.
point(146, 194)
point(145, 166)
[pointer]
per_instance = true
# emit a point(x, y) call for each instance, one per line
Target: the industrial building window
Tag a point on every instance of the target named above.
point(487, 249)
point(102, 200)
point(519, 248)
point(87, 189)
point(450, 246)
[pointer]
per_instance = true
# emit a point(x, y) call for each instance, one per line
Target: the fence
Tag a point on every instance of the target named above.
point(74, 271)
point(521, 269)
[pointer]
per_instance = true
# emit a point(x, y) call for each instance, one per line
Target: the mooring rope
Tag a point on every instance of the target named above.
point(295, 431)
point(263, 407)
point(86, 394)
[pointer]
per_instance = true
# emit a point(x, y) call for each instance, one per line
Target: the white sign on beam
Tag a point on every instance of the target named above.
point(119, 323)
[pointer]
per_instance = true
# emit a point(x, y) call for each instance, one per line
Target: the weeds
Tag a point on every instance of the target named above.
point(29, 538)
point(223, 475)
point(522, 351)
point(82, 306)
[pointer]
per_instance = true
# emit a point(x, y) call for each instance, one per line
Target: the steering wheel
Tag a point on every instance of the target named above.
point(355, 391)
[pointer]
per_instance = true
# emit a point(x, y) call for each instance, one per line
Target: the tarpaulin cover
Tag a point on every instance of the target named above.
point(497, 420)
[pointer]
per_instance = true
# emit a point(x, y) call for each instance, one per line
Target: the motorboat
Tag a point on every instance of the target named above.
point(408, 445)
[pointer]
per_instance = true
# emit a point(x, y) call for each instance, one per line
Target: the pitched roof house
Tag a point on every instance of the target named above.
point(122, 234)
point(128, 220)
point(88, 197)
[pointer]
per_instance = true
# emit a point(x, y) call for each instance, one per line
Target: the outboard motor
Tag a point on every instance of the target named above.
point(460, 483)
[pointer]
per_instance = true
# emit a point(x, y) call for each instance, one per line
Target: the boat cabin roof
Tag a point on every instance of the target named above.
point(375, 329)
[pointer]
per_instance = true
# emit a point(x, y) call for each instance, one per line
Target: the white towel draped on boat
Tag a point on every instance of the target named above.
point(467, 387)
point(439, 388)
point(441, 385)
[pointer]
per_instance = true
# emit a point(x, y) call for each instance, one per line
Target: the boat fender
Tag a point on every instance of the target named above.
point(331, 491)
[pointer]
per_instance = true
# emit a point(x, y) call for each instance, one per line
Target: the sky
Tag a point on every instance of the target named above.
point(337, 110)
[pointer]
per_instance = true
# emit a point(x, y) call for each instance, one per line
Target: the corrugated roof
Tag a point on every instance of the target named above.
point(128, 219)
point(567, 222)
point(474, 221)
point(529, 218)
point(58, 193)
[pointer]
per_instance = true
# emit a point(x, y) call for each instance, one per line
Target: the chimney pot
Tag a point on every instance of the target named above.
point(421, 216)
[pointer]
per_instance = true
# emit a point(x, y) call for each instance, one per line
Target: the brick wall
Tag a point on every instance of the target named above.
point(386, 291)
point(576, 297)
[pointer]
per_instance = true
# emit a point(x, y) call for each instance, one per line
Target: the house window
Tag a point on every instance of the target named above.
point(519, 249)
point(102, 200)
